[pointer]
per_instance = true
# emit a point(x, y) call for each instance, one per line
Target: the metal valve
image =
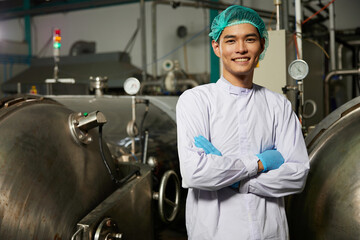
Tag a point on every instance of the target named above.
point(81, 123)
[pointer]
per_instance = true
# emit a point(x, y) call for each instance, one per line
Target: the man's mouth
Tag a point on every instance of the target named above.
point(241, 59)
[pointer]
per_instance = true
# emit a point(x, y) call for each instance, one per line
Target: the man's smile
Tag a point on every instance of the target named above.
point(243, 59)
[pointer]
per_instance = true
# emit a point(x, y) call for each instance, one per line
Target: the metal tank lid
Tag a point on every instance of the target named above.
point(331, 119)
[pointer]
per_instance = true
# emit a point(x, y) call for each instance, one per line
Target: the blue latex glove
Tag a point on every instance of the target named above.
point(235, 185)
point(202, 142)
point(271, 159)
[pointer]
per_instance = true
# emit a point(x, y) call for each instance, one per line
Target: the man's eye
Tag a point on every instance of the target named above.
point(230, 41)
point(251, 40)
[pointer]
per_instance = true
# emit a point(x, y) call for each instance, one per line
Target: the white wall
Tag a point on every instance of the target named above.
point(112, 27)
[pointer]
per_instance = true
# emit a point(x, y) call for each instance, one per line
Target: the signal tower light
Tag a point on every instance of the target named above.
point(57, 38)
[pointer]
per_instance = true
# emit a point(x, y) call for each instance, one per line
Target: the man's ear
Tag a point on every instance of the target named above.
point(216, 47)
point(262, 43)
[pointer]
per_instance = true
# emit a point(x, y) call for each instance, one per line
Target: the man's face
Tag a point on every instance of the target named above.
point(239, 48)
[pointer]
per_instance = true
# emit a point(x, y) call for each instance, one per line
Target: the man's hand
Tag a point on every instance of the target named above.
point(202, 142)
point(270, 159)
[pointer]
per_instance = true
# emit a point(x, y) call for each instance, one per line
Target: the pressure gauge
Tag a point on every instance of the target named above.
point(298, 69)
point(131, 86)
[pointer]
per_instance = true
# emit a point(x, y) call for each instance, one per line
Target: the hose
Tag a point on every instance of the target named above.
point(113, 178)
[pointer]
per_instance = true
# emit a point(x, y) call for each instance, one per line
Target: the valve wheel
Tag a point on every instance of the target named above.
point(165, 203)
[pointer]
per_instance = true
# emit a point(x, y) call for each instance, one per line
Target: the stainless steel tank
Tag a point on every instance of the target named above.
point(48, 181)
point(329, 206)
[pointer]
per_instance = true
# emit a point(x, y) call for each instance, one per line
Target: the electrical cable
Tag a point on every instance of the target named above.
point(318, 45)
point(45, 46)
point(131, 42)
point(296, 46)
point(271, 18)
point(113, 178)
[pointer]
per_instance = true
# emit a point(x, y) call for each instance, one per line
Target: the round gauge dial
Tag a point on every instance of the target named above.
point(298, 69)
point(131, 86)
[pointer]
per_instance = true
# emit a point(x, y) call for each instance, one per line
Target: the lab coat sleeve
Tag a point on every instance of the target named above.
point(291, 176)
point(199, 170)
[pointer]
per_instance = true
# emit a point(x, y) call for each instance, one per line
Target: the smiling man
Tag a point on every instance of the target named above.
point(240, 145)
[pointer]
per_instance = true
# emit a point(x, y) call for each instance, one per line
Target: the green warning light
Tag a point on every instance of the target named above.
point(85, 114)
point(57, 45)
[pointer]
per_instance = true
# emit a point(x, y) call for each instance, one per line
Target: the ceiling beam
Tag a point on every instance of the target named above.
point(60, 7)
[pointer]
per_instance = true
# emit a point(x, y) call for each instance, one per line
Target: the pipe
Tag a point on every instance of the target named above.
point(133, 107)
point(146, 141)
point(221, 6)
point(160, 83)
point(332, 36)
point(154, 39)
point(150, 83)
point(339, 54)
point(190, 82)
point(143, 39)
point(285, 15)
point(277, 4)
point(298, 17)
point(327, 81)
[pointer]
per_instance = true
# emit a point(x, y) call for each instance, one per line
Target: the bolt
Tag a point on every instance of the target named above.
point(108, 223)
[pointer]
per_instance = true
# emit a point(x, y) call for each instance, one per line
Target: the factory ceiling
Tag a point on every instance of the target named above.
point(20, 8)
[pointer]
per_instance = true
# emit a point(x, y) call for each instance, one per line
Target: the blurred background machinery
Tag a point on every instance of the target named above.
point(87, 112)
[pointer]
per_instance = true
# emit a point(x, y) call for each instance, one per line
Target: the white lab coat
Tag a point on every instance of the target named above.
point(240, 123)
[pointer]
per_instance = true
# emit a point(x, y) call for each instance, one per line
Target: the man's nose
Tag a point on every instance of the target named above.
point(241, 47)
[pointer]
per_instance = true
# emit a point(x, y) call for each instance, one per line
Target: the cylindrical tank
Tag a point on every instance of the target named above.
point(329, 206)
point(48, 181)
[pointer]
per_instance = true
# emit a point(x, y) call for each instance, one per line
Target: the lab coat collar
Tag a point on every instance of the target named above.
point(227, 86)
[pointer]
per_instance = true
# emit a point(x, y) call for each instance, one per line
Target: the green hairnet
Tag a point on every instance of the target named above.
point(234, 15)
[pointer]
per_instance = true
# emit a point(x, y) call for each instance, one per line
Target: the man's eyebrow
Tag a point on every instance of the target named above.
point(247, 35)
point(252, 35)
point(229, 36)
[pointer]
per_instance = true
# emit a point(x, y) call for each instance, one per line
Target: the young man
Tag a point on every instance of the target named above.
point(240, 145)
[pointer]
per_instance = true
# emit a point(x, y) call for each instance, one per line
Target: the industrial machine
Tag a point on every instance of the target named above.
point(329, 206)
point(70, 169)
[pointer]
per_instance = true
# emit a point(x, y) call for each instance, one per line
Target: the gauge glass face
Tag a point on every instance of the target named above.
point(298, 69)
point(131, 86)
